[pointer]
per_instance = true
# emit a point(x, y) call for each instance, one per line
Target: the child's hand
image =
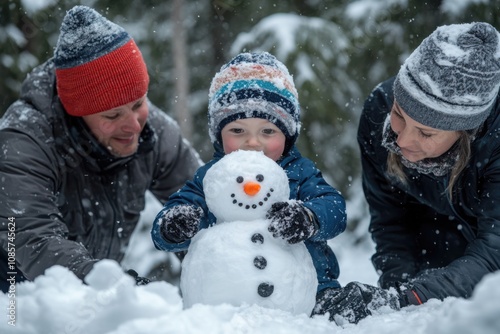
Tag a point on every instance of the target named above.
point(291, 221)
point(180, 223)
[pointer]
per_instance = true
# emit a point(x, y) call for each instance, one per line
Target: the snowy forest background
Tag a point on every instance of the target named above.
point(337, 52)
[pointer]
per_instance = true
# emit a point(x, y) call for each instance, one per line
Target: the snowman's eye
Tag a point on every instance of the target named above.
point(239, 179)
point(259, 177)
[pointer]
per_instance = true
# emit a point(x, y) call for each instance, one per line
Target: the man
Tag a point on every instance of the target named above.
point(80, 148)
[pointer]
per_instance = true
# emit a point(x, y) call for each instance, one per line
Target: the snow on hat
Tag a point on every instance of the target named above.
point(98, 65)
point(451, 80)
point(254, 85)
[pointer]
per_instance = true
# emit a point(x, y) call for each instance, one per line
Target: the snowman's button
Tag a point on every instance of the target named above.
point(260, 262)
point(265, 289)
point(258, 238)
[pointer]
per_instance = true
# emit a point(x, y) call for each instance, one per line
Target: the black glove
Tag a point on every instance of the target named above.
point(408, 295)
point(138, 279)
point(180, 223)
point(291, 221)
point(354, 302)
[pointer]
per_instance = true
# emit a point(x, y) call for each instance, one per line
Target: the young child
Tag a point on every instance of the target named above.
point(253, 105)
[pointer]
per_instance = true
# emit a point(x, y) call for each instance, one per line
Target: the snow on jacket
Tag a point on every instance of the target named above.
point(306, 184)
point(72, 202)
point(446, 246)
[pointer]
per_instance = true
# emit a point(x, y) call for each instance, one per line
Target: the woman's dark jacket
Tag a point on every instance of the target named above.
point(306, 184)
point(444, 246)
point(72, 202)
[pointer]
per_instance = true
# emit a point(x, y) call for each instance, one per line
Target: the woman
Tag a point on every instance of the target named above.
point(430, 148)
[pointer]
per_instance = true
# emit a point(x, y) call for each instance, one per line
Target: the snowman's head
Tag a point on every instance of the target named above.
point(243, 185)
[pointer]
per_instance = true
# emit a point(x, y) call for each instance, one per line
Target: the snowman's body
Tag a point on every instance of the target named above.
point(237, 261)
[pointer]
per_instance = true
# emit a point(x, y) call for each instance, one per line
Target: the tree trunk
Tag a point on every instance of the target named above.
point(181, 107)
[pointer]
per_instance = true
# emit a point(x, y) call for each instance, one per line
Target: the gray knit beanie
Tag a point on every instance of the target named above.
point(451, 80)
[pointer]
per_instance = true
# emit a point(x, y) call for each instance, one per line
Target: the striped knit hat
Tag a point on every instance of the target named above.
point(254, 85)
point(98, 65)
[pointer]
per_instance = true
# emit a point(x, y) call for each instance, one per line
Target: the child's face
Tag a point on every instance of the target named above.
point(253, 134)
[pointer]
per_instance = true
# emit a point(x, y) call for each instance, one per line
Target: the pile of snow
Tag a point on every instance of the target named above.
point(110, 303)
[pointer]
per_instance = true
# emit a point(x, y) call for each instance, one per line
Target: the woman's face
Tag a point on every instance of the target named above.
point(119, 129)
point(418, 141)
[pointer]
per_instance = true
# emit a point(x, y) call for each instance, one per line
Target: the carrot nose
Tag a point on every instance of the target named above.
point(251, 188)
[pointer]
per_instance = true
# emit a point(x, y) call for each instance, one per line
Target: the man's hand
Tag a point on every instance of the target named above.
point(138, 279)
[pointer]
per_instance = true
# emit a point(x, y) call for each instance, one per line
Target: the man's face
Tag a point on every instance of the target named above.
point(119, 129)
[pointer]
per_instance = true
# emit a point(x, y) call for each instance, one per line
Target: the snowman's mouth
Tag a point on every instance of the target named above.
point(252, 206)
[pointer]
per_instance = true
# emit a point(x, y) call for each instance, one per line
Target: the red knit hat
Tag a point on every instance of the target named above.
point(98, 65)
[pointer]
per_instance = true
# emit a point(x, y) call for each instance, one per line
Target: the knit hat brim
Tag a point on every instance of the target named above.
point(431, 111)
point(110, 81)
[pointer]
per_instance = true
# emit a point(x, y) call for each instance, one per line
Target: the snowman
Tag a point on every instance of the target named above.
point(237, 260)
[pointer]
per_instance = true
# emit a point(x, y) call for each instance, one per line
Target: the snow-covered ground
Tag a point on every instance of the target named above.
point(58, 302)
